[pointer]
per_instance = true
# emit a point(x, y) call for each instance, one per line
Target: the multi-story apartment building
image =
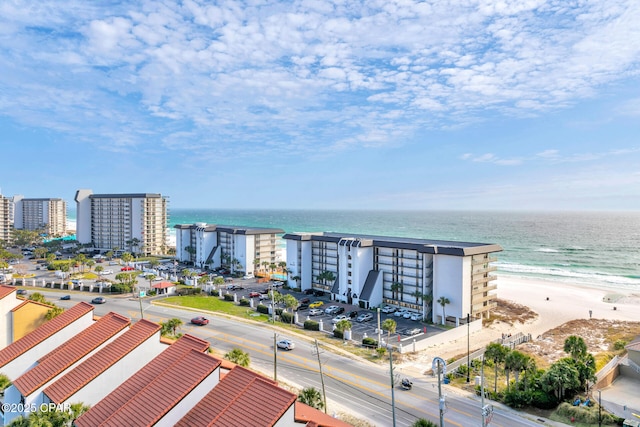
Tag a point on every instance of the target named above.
point(240, 248)
point(6, 218)
point(135, 223)
point(410, 273)
point(48, 215)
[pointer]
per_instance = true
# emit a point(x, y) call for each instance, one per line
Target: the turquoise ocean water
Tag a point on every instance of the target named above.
point(585, 248)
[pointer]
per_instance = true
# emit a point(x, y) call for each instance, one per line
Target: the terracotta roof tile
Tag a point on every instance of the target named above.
point(314, 417)
point(98, 363)
point(65, 355)
point(127, 390)
point(43, 332)
point(6, 290)
point(227, 403)
point(165, 391)
point(163, 285)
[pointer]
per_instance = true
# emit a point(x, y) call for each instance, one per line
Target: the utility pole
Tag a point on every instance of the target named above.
point(275, 359)
point(468, 348)
point(379, 328)
point(324, 393)
point(393, 399)
point(140, 301)
point(440, 366)
point(599, 409)
point(482, 390)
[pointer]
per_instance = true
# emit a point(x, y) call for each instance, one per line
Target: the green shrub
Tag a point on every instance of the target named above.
point(543, 400)
point(369, 342)
point(286, 317)
point(311, 325)
point(261, 308)
point(244, 302)
point(120, 288)
point(338, 333)
point(620, 345)
point(279, 311)
point(228, 297)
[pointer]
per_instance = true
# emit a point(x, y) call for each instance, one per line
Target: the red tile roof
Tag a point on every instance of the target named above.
point(163, 285)
point(228, 403)
point(98, 363)
point(45, 331)
point(316, 418)
point(126, 391)
point(6, 290)
point(61, 358)
point(165, 391)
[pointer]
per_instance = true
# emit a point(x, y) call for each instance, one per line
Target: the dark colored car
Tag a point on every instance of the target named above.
point(200, 320)
point(21, 292)
point(99, 300)
point(65, 297)
point(305, 301)
point(352, 314)
point(308, 291)
point(303, 306)
point(317, 293)
point(338, 310)
point(254, 294)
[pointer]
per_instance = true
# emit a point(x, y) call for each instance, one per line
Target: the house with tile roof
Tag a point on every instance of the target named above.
point(27, 388)
point(173, 379)
point(97, 376)
point(8, 301)
point(19, 356)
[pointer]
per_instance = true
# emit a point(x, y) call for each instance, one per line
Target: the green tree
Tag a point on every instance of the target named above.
point(396, 290)
point(496, 352)
point(290, 302)
point(170, 327)
point(126, 257)
point(311, 397)
point(421, 422)
point(99, 269)
point(238, 357)
point(343, 325)
point(560, 377)
point(575, 347)
point(38, 297)
point(4, 382)
point(128, 279)
point(389, 325)
point(53, 312)
point(443, 301)
point(40, 252)
point(417, 295)
point(514, 362)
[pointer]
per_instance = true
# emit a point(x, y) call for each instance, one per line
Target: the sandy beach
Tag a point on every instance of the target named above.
point(565, 302)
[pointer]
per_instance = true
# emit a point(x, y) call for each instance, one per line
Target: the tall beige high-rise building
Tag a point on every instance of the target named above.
point(135, 223)
point(48, 215)
point(6, 218)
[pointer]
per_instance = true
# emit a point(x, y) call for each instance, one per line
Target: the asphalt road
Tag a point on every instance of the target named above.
point(359, 385)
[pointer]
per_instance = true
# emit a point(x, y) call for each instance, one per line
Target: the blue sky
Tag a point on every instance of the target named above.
point(385, 104)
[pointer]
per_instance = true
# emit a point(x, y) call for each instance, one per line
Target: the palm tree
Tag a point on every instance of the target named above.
point(238, 357)
point(389, 325)
point(421, 422)
point(344, 325)
point(290, 302)
point(560, 377)
point(514, 362)
point(311, 397)
point(443, 301)
point(4, 382)
point(396, 289)
point(173, 324)
point(496, 352)
point(576, 347)
point(417, 294)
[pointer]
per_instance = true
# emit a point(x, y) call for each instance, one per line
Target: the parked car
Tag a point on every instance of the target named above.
point(278, 284)
point(22, 292)
point(65, 297)
point(364, 317)
point(388, 309)
point(331, 309)
point(315, 312)
point(338, 318)
point(286, 345)
point(416, 316)
point(98, 300)
point(401, 312)
point(254, 294)
point(318, 293)
point(302, 306)
point(200, 320)
point(105, 272)
point(248, 276)
point(352, 314)
point(127, 268)
point(305, 301)
point(316, 304)
point(412, 331)
point(407, 315)
point(308, 291)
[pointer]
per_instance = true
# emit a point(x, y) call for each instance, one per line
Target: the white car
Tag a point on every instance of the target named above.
point(400, 312)
point(106, 272)
point(416, 316)
point(388, 309)
point(331, 309)
point(407, 315)
point(315, 312)
point(338, 318)
point(286, 345)
point(248, 276)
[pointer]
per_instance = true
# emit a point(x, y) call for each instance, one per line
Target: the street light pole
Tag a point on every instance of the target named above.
point(468, 348)
point(599, 409)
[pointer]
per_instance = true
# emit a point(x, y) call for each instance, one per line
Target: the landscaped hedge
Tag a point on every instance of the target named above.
point(262, 309)
point(286, 317)
point(369, 342)
point(228, 297)
point(244, 302)
point(338, 333)
point(311, 325)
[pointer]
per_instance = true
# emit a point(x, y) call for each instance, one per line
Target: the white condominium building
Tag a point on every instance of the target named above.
point(6, 218)
point(240, 248)
point(136, 223)
point(415, 274)
point(49, 215)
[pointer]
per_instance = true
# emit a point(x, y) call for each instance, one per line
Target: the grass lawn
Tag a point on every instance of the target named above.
point(217, 305)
